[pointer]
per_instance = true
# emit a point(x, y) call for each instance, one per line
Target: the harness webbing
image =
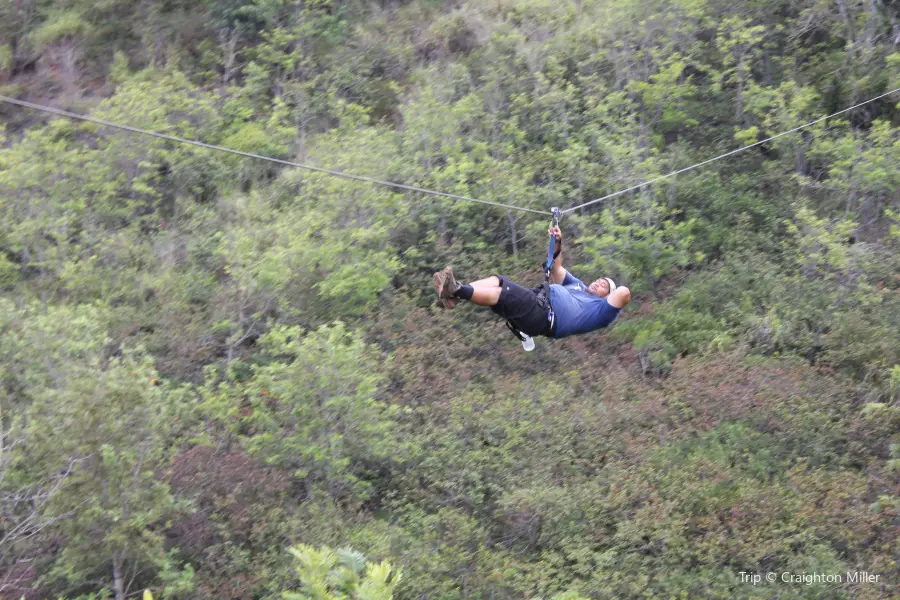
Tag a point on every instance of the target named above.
point(549, 265)
point(547, 268)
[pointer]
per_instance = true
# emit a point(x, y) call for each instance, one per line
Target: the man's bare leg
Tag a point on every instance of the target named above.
point(485, 296)
point(491, 282)
point(486, 292)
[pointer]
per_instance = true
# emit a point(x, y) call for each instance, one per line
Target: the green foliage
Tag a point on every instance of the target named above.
point(314, 408)
point(102, 422)
point(63, 25)
point(327, 574)
point(894, 381)
point(642, 245)
point(119, 70)
point(6, 58)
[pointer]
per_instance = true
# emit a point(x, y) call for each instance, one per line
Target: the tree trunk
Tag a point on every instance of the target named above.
point(739, 109)
point(845, 14)
point(443, 237)
point(871, 25)
point(68, 66)
point(512, 232)
point(801, 164)
point(895, 30)
point(300, 141)
point(228, 39)
point(118, 575)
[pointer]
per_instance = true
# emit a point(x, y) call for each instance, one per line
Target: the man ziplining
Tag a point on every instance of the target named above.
point(560, 307)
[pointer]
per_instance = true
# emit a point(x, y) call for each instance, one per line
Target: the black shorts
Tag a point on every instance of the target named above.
point(528, 309)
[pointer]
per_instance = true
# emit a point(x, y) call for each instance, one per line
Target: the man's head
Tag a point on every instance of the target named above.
point(602, 287)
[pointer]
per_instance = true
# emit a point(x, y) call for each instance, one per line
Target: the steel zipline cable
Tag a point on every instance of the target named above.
point(733, 152)
point(411, 188)
point(172, 138)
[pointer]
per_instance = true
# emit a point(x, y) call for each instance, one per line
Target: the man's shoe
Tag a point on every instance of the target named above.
point(445, 285)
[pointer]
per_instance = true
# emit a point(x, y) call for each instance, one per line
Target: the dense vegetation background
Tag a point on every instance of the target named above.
point(207, 360)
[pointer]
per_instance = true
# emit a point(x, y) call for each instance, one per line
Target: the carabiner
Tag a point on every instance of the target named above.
point(556, 217)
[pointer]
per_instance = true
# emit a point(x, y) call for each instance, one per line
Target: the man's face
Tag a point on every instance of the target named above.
point(600, 287)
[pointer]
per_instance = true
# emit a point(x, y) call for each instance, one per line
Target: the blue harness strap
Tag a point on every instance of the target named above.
point(552, 249)
point(550, 252)
point(551, 318)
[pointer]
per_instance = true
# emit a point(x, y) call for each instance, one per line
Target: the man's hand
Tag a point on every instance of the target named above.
point(557, 273)
point(556, 232)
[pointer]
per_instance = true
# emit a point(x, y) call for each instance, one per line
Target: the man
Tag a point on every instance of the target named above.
point(566, 307)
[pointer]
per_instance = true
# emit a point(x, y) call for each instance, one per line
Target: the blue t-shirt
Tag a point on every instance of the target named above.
point(577, 310)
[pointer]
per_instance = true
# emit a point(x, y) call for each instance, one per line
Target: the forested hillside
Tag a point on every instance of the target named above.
point(222, 378)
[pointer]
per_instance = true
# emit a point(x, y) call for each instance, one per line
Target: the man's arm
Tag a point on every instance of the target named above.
point(557, 272)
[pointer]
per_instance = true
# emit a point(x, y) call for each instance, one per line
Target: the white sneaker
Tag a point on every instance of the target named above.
point(527, 343)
